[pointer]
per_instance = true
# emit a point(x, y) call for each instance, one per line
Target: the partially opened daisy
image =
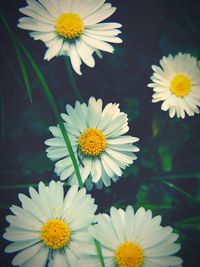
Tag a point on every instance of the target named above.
point(98, 141)
point(177, 84)
point(72, 28)
point(131, 239)
point(49, 228)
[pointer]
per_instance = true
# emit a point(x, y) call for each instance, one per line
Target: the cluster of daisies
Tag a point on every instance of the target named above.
point(53, 228)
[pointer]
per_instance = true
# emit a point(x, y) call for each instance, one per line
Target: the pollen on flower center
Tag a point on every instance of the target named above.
point(55, 233)
point(180, 85)
point(129, 254)
point(92, 142)
point(69, 25)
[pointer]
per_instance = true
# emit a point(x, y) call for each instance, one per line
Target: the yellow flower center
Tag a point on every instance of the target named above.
point(92, 142)
point(180, 85)
point(69, 25)
point(129, 254)
point(55, 233)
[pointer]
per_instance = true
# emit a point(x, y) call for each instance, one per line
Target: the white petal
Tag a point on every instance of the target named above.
point(54, 50)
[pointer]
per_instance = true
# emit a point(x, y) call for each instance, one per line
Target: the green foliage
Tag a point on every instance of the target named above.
point(31, 163)
point(166, 158)
point(149, 197)
point(191, 223)
point(166, 176)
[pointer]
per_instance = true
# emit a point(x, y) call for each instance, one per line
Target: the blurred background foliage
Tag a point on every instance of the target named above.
point(166, 176)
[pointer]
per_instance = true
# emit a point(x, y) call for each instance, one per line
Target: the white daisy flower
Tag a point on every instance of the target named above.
point(177, 84)
point(98, 141)
point(49, 229)
point(72, 28)
point(131, 239)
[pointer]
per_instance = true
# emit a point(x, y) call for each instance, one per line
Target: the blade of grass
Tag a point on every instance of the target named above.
point(49, 96)
point(178, 189)
point(53, 106)
point(9, 64)
point(24, 72)
point(99, 251)
point(20, 59)
point(190, 223)
point(72, 79)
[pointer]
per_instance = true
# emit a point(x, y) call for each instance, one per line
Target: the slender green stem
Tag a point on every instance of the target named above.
point(49, 96)
point(72, 79)
point(24, 73)
point(10, 66)
point(54, 108)
point(99, 251)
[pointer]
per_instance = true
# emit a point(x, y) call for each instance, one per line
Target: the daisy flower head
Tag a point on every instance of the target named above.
point(98, 141)
point(133, 239)
point(72, 28)
point(177, 84)
point(50, 228)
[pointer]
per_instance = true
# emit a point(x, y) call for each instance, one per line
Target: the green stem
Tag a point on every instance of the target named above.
point(10, 66)
point(72, 79)
point(99, 251)
point(54, 108)
point(49, 96)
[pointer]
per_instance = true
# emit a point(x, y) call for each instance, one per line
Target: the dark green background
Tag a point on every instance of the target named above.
point(166, 176)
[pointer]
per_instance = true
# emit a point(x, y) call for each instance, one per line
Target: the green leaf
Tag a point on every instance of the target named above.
point(155, 128)
point(178, 189)
point(166, 158)
point(143, 194)
point(54, 108)
point(151, 196)
point(191, 223)
point(49, 96)
point(99, 251)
